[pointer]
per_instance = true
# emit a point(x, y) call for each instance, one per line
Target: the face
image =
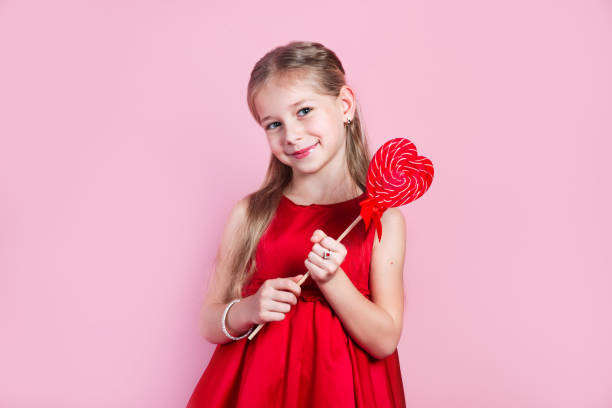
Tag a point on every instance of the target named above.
point(295, 117)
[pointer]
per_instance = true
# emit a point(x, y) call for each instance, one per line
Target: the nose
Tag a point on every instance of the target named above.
point(293, 133)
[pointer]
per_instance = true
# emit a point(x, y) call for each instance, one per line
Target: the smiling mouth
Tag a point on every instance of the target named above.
point(305, 150)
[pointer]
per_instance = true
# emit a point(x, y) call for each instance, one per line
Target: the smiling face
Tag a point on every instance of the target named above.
point(295, 117)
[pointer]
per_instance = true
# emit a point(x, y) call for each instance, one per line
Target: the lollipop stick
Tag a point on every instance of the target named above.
point(346, 231)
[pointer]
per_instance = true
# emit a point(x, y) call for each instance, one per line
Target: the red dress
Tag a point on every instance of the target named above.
point(307, 359)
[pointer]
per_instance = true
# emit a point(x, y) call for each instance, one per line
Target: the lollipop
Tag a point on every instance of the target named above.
point(396, 176)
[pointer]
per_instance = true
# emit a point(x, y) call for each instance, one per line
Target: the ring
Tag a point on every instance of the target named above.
point(326, 254)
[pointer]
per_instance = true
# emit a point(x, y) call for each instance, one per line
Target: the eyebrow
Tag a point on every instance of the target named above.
point(292, 105)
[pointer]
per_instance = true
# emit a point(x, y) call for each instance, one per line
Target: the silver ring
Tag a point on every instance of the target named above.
point(326, 254)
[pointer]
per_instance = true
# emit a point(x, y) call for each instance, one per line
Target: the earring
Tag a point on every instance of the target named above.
point(348, 122)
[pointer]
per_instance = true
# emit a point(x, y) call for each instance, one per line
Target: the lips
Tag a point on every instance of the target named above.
point(304, 150)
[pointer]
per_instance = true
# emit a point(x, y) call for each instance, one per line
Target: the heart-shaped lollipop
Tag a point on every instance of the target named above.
point(396, 176)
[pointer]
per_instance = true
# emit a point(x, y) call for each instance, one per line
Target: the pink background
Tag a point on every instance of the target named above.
point(125, 140)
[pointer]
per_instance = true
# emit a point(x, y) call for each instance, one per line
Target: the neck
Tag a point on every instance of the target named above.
point(330, 184)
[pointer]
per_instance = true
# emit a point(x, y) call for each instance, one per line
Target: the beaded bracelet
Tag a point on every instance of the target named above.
point(225, 328)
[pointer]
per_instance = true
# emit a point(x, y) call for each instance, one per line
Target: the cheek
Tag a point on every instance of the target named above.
point(328, 130)
point(317, 127)
point(276, 148)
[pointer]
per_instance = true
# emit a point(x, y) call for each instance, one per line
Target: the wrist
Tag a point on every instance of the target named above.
point(335, 278)
point(333, 284)
point(236, 321)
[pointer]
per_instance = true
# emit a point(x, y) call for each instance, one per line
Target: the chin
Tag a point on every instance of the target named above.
point(307, 169)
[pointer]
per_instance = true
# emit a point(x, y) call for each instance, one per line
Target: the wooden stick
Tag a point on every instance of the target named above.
point(346, 231)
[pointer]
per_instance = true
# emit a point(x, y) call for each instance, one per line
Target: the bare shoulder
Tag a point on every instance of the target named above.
point(226, 248)
point(239, 211)
point(235, 220)
point(393, 218)
point(393, 241)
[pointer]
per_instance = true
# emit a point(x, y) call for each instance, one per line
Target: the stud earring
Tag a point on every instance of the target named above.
point(348, 122)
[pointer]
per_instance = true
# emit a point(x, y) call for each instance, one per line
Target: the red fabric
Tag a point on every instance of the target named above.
point(307, 359)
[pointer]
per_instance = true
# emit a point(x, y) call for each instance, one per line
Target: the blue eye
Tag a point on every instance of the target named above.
point(272, 123)
point(309, 109)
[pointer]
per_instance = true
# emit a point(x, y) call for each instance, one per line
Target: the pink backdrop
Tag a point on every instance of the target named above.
point(125, 139)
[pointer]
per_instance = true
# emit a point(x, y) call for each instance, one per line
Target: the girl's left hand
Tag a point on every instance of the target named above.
point(322, 270)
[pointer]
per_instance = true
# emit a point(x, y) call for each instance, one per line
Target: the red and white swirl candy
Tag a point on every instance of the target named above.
point(397, 175)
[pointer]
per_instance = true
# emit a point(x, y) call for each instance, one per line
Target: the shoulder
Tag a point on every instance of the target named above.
point(393, 215)
point(237, 215)
point(240, 209)
point(390, 249)
point(235, 221)
point(226, 251)
point(393, 226)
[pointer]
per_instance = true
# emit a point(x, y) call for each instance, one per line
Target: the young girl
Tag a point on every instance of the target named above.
point(331, 342)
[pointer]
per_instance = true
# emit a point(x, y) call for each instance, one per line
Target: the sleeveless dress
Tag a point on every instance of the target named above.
point(307, 359)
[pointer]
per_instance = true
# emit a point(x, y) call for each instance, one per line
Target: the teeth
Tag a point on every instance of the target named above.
point(310, 148)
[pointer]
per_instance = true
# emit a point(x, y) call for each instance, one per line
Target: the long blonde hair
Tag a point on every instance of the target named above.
point(296, 59)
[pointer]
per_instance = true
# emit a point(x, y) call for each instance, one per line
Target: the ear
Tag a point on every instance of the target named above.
point(346, 101)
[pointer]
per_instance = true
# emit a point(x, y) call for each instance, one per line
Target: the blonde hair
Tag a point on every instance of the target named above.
point(319, 65)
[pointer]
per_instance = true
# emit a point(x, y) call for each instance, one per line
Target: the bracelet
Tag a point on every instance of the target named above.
point(225, 328)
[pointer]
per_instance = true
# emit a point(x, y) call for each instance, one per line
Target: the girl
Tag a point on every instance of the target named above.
point(332, 341)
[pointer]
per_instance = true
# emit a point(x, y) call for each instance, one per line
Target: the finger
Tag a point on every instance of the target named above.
point(269, 316)
point(320, 250)
point(317, 260)
point(284, 296)
point(287, 284)
point(332, 244)
point(317, 235)
point(272, 316)
point(281, 307)
point(314, 269)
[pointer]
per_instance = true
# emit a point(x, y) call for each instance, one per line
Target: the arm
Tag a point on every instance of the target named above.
point(375, 325)
point(237, 321)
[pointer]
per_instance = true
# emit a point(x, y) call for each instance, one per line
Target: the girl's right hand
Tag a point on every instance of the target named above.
point(274, 298)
